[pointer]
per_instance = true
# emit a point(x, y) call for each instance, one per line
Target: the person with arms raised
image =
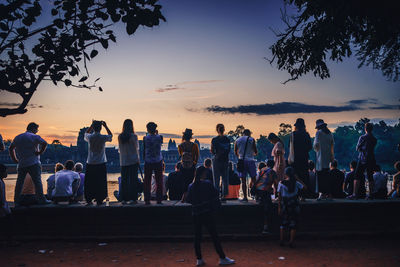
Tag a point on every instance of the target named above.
point(25, 150)
point(96, 170)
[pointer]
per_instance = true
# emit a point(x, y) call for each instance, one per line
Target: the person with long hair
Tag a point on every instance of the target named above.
point(190, 154)
point(204, 198)
point(153, 162)
point(128, 146)
point(324, 149)
point(288, 205)
point(278, 153)
point(299, 147)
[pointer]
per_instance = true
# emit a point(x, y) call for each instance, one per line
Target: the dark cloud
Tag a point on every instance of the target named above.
point(10, 104)
point(296, 107)
point(169, 88)
point(173, 87)
point(280, 108)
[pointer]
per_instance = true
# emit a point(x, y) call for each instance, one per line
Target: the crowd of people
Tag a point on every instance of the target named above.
point(286, 180)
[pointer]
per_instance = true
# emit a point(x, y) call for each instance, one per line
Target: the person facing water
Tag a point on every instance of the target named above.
point(205, 201)
point(2, 146)
point(175, 183)
point(51, 181)
point(395, 192)
point(336, 177)
point(278, 152)
point(95, 186)
point(190, 154)
point(348, 184)
point(245, 150)
point(153, 160)
point(66, 183)
point(220, 148)
point(128, 146)
point(25, 150)
point(80, 193)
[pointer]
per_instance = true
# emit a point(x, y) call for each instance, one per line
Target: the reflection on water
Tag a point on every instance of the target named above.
point(12, 178)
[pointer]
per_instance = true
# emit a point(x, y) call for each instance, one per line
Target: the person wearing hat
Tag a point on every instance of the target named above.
point(190, 154)
point(324, 149)
point(299, 146)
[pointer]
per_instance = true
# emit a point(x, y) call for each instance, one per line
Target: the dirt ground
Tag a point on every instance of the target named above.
point(254, 253)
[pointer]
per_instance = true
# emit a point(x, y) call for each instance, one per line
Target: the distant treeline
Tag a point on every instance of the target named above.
point(346, 138)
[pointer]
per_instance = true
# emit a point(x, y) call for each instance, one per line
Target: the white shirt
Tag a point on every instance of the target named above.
point(97, 147)
point(129, 151)
point(323, 147)
point(241, 143)
point(26, 144)
point(154, 185)
point(284, 191)
point(63, 183)
point(380, 181)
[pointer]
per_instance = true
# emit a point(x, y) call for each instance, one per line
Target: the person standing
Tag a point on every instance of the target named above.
point(25, 150)
point(278, 152)
point(245, 150)
point(299, 147)
point(220, 148)
point(366, 160)
point(288, 205)
point(204, 198)
point(96, 170)
point(2, 147)
point(189, 153)
point(128, 146)
point(153, 161)
point(324, 149)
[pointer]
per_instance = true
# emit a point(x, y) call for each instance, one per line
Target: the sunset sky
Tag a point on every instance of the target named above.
point(208, 53)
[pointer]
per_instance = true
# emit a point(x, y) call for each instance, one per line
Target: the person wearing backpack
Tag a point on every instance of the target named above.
point(220, 148)
point(190, 154)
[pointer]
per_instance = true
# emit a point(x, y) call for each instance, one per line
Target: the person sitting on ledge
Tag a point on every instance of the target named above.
point(204, 198)
point(66, 183)
point(234, 183)
point(4, 208)
point(139, 189)
point(28, 193)
point(51, 181)
point(175, 183)
point(95, 186)
point(395, 192)
point(208, 166)
point(288, 205)
point(380, 181)
point(349, 179)
point(164, 184)
point(313, 183)
point(80, 193)
point(336, 179)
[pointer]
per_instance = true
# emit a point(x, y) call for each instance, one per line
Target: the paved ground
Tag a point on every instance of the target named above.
point(307, 253)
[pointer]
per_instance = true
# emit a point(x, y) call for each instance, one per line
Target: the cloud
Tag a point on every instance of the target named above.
point(297, 107)
point(10, 104)
point(173, 87)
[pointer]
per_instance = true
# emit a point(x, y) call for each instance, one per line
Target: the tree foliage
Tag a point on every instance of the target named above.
point(39, 43)
point(329, 30)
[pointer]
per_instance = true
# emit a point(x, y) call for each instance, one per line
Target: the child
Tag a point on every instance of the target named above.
point(288, 205)
point(204, 198)
point(263, 187)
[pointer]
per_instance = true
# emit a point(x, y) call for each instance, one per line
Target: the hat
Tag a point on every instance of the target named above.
point(188, 132)
point(300, 123)
point(320, 123)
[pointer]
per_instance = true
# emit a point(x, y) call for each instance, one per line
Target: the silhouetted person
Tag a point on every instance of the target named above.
point(208, 165)
point(245, 150)
point(2, 146)
point(80, 193)
point(299, 147)
point(51, 181)
point(348, 185)
point(204, 198)
point(66, 183)
point(288, 205)
point(380, 182)
point(4, 208)
point(336, 181)
point(278, 152)
point(96, 170)
point(323, 146)
point(366, 160)
point(175, 183)
point(152, 143)
point(220, 148)
point(25, 150)
point(312, 176)
point(128, 146)
point(189, 153)
point(395, 192)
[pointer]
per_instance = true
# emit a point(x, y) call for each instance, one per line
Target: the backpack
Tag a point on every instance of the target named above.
point(187, 156)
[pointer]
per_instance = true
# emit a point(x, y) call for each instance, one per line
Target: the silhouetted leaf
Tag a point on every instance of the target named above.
point(104, 43)
point(3, 26)
point(54, 11)
point(84, 78)
point(59, 23)
point(22, 31)
point(67, 82)
point(93, 53)
point(131, 28)
point(96, 79)
point(100, 89)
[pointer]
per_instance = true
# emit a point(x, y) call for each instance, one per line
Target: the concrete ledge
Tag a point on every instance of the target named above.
point(173, 220)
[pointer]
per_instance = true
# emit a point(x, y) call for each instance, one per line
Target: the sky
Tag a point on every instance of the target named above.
point(205, 65)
